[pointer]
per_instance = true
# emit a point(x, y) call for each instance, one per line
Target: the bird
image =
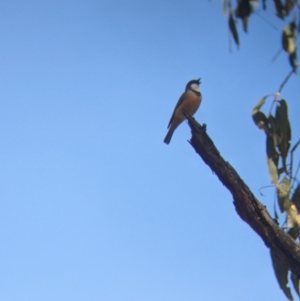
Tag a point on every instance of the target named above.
point(190, 101)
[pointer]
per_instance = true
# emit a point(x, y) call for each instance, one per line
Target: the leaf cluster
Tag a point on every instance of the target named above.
point(244, 9)
point(278, 142)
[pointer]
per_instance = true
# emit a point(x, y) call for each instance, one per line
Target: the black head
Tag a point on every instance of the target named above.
point(193, 82)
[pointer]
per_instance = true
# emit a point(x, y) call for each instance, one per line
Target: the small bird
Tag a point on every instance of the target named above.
point(190, 101)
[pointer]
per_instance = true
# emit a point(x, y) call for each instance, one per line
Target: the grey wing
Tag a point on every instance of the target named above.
point(179, 102)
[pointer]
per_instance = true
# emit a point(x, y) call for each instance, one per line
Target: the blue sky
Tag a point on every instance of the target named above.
point(93, 205)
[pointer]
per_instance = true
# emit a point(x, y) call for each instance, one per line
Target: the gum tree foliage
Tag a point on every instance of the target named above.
point(279, 148)
point(277, 129)
point(287, 10)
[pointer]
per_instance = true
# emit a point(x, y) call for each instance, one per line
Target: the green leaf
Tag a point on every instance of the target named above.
point(293, 59)
point(259, 105)
point(274, 130)
point(294, 232)
point(283, 130)
point(289, 38)
point(296, 197)
point(283, 194)
point(293, 216)
point(280, 9)
point(273, 171)
point(289, 5)
point(261, 120)
point(233, 29)
point(271, 150)
point(243, 11)
point(282, 119)
point(259, 117)
point(281, 273)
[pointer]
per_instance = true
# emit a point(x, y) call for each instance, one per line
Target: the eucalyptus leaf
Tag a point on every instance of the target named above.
point(283, 194)
point(283, 130)
point(274, 130)
point(293, 217)
point(281, 273)
point(259, 105)
point(296, 197)
point(273, 171)
point(271, 151)
point(233, 29)
point(280, 9)
point(243, 11)
point(245, 21)
point(294, 232)
point(289, 5)
point(289, 38)
point(261, 120)
point(293, 59)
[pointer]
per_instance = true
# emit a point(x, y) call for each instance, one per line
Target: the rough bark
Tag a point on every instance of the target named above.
point(246, 204)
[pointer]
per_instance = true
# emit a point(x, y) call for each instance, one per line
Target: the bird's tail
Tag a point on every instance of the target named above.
point(169, 136)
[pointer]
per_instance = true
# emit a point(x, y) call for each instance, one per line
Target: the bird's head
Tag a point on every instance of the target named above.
point(193, 85)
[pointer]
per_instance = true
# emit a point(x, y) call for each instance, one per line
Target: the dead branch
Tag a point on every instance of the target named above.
point(246, 204)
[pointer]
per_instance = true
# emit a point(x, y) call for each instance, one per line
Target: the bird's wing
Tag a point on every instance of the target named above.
point(179, 102)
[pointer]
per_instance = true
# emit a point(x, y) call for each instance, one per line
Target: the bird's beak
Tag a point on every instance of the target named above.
point(199, 80)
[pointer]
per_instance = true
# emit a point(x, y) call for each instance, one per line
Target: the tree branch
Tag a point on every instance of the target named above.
point(286, 79)
point(247, 206)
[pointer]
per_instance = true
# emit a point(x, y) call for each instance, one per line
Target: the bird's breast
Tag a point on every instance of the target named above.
point(191, 103)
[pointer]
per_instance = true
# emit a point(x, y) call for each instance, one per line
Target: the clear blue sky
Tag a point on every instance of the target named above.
point(93, 205)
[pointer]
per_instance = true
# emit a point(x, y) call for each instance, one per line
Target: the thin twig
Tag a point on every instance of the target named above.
point(267, 21)
point(298, 167)
point(292, 155)
point(230, 41)
point(286, 80)
point(274, 101)
point(261, 188)
point(276, 55)
point(275, 211)
point(295, 146)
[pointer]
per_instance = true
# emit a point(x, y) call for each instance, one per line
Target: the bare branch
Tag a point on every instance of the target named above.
point(247, 206)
